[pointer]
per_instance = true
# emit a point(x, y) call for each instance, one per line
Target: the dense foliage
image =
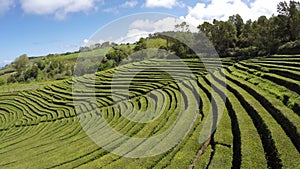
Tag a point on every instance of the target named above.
point(234, 37)
point(38, 70)
point(261, 37)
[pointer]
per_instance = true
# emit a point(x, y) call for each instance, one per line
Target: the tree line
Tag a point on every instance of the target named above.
point(278, 34)
point(232, 38)
point(38, 70)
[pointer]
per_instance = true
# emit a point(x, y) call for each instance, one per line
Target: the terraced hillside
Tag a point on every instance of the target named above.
point(259, 128)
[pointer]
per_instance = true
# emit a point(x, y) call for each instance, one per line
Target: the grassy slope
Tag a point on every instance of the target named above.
point(69, 58)
point(38, 122)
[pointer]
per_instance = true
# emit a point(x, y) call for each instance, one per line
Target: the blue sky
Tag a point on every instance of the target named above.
point(38, 27)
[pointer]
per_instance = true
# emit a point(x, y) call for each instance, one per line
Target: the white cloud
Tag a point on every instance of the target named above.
point(69, 47)
point(87, 42)
point(145, 24)
point(223, 9)
point(142, 28)
point(5, 5)
point(165, 24)
point(5, 62)
point(111, 10)
point(163, 3)
point(115, 10)
point(129, 4)
point(133, 35)
point(60, 8)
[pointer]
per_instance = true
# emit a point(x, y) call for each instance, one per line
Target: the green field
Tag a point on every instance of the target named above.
point(39, 127)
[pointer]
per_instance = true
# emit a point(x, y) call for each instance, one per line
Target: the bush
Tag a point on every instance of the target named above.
point(40, 75)
point(290, 48)
point(41, 64)
point(3, 81)
point(21, 63)
point(31, 73)
point(118, 54)
point(104, 66)
point(12, 79)
point(243, 53)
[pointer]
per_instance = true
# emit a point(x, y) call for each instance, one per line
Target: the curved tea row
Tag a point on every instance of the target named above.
point(257, 126)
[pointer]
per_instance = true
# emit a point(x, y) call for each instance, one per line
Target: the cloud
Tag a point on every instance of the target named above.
point(115, 10)
point(5, 5)
point(111, 10)
point(129, 4)
point(89, 42)
point(144, 24)
point(57, 7)
point(163, 3)
point(221, 10)
point(133, 35)
point(142, 28)
point(5, 62)
point(69, 47)
point(165, 24)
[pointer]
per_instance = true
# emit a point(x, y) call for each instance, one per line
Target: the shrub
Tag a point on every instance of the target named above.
point(243, 53)
point(21, 63)
point(290, 48)
point(3, 81)
point(41, 64)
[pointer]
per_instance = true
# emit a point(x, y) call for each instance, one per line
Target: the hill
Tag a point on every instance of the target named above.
point(225, 98)
point(45, 128)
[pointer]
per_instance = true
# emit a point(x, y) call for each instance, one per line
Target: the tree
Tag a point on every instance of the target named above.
point(246, 38)
point(223, 36)
point(118, 54)
point(238, 21)
point(183, 27)
point(107, 65)
point(180, 49)
point(61, 68)
point(141, 44)
point(276, 34)
point(31, 73)
point(41, 64)
point(206, 28)
point(21, 63)
point(262, 34)
point(166, 36)
point(126, 49)
point(292, 14)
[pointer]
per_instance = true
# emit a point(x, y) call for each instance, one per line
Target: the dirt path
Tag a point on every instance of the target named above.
point(200, 152)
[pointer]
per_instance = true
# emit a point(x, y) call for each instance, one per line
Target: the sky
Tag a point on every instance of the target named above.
point(40, 27)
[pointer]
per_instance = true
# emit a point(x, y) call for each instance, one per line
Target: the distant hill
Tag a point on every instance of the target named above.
point(43, 68)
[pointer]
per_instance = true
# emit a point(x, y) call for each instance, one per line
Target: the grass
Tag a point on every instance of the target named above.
point(39, 127)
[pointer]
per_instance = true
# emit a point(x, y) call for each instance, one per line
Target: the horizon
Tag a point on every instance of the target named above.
point(42, 28)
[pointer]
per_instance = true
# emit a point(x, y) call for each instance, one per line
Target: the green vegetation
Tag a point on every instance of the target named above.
point(43, 123)
point(52, 67)
point(233, 38)
point(258, 129)
point(278, 34)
